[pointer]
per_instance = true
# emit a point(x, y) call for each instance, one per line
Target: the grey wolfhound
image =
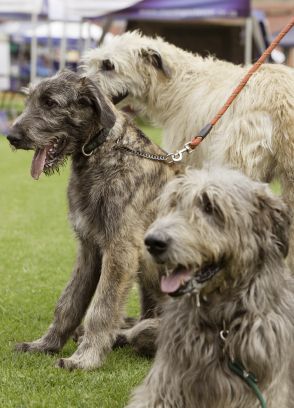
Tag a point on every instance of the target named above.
point(111, 196)
point(180, 92)
point(220, 240)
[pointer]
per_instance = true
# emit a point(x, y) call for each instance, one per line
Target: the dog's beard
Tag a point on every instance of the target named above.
point(48, 158)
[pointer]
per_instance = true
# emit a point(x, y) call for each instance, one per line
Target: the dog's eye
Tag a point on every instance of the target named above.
point(50, 103)
point(107, 65)
point(212, 209)
point(208, 208)
point(206, 204)
point(84, 101)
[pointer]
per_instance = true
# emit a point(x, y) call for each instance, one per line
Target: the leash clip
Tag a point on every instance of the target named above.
point(178, 156)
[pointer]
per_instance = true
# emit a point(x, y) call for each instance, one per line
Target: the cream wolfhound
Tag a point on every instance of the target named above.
point(182, 92)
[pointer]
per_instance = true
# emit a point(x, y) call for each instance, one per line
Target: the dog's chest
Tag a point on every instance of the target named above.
point(87, 214)
point(81, 224)
point(97, 202)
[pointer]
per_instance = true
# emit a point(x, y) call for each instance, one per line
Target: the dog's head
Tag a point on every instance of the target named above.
point(216, 229)
point(60, 114)
point(128, 67)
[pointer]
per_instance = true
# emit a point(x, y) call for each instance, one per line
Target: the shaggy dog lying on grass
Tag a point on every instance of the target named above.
point(220, 241)
point(111, 203)
point(181, 92)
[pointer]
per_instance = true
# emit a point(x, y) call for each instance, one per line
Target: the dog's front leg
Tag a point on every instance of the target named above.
point(72, 304)
point(105, 313)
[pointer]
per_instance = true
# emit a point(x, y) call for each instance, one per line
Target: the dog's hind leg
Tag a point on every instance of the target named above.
point(287, 182)
point(105, 313)
point(127, 323)
point(285, 171)
point(142, 337)
point(72, 304)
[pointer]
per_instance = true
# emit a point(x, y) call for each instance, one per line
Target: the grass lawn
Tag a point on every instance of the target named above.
point(37, 253)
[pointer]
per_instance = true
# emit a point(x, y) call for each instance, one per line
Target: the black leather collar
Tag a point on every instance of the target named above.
point(97, 140)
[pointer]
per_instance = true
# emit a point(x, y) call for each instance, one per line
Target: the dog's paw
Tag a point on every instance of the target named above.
point(120, 341)
point(88, 356)
point(75, 364)
point(66, 363)
point(36, 347)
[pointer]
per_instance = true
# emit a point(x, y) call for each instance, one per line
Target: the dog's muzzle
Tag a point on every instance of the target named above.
point(156, 244)
point(16, 138)
point(181, 280)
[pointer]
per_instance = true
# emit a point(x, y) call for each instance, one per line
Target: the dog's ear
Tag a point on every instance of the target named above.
point(154, 58)
point(274, 216)
point(100, 104)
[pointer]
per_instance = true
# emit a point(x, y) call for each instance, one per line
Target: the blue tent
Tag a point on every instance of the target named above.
point(230, 16)
point(185, 9)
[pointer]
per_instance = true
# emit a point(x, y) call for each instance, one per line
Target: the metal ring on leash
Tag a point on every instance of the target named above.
point(178, 156)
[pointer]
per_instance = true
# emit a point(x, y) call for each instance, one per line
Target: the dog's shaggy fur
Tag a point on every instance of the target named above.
point(209, 219)
point(111, 202)
point(182, 92)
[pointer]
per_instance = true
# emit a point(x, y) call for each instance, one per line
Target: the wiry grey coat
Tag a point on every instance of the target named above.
point(111, 202)
point(210, 218)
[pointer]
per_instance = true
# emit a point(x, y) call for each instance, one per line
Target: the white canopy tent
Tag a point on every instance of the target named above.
point(55, 30)
point(5, 62)
point(76, 10)
point(63, 11)
point(21, 7)
point(29, 9)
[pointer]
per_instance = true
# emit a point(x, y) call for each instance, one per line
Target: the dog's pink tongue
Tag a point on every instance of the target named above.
point(171, 283)
point(38, 163)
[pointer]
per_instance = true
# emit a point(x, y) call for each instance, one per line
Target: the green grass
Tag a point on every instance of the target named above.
point(37, 253)
point(276, 187)
point(154, 133)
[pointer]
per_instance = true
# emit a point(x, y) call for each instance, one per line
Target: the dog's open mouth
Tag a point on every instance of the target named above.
point(119, 97)
point(47, 158)
point(185, 280)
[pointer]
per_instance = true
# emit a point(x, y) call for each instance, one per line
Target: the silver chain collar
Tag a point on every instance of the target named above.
point(146, 155)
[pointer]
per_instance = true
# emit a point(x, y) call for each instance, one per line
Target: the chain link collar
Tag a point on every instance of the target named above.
point(145, 155)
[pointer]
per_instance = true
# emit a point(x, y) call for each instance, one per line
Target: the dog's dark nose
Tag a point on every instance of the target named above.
point(156, 244)
point(15, 136)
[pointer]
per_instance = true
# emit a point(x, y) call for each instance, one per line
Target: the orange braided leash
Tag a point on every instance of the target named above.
point(206, 130)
